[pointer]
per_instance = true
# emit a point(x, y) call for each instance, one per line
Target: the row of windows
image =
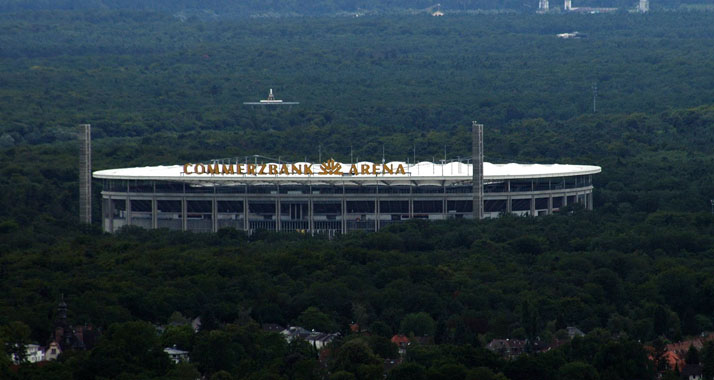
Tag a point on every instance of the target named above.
point(300, 209)
point(136, 186)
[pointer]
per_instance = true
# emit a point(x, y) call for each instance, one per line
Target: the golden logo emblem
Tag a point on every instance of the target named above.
point(330, 167)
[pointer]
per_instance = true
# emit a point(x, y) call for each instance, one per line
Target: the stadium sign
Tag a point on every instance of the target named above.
point(329, 167)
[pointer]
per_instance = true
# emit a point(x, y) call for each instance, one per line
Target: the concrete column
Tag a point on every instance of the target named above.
point(311, 221)
point(550, 204)
point(184, 216)
point(214, 213)
point(533, 208)
point(343, 210)
point(509, 204)
point(154, 213)
point(111, 216)
point(277, 211)
point(246, 224)
point(565, 200)
point(376, 213)
point(310, 213)
point(128, 205)
point(411, 208)
point(443, 201)
point(589, 200)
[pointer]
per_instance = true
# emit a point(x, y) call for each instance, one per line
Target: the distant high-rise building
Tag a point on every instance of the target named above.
point(543, 6)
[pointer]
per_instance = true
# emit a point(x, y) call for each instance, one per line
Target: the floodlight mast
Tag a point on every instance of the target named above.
point(477, 164)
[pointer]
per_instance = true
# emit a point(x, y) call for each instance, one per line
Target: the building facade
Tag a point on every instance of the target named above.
point(331, 197)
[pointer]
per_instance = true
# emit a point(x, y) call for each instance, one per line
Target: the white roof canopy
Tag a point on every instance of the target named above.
point(422, 173)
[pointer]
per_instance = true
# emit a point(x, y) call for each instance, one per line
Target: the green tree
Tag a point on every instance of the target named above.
point(708, 361)
point(130, 348)
point(383, 347)
point(380, 328)
point(16, 335)
point(407, 371)
point(419, 324)
point(222, 375)
point(578, 371)
point(183, 371)
point(181, 336)
point(355, 356)
point(692, 355)
point(313, 318)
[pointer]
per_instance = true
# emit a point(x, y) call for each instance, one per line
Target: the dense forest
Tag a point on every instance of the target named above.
point(634, 274)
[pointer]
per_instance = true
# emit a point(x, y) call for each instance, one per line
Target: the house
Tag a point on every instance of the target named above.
point(402, 343)
point(33, 354)
point(196, 324)
point(507, 348)
point(321, 340)
point(176, 355)
point(681, 348)
point(574, 332)
point(318, 339)
point(53, 351)
point(70, 337)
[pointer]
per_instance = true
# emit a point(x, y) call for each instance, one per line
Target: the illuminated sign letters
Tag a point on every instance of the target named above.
point(329, 167)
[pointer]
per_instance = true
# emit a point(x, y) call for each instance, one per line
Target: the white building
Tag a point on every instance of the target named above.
point(176, 355)
point(330, 197)
point(33, 354)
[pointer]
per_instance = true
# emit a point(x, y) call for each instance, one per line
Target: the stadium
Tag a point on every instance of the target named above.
point(332, 197)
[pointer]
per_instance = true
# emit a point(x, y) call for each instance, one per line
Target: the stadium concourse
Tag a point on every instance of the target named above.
point(330, 197)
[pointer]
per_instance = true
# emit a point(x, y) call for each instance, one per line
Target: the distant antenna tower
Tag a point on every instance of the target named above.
point(543, 6)
point(85, 173)
point(594, 97)
point(644, 6)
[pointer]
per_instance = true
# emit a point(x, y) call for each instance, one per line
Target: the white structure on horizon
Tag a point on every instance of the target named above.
point(644, 6)
point(568, 5)
point(271, 98)
point(271, 101)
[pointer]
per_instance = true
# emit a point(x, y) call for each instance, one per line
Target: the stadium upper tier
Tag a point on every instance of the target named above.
point(358, 173)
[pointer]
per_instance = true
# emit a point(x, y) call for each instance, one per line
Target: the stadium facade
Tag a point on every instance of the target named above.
point(330, 197)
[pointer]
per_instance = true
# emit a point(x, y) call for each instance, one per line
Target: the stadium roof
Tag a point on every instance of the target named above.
point(422, 173)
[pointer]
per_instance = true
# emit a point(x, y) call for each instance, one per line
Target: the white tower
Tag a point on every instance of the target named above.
point(543, 6)
point(568, 5)
point(644, 6)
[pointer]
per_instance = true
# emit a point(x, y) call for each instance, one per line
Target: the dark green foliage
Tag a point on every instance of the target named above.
point(577, 371)
point(408, 371)
point(159, 90)
point(692, 355)
point(129, 348)
point(419, 324)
